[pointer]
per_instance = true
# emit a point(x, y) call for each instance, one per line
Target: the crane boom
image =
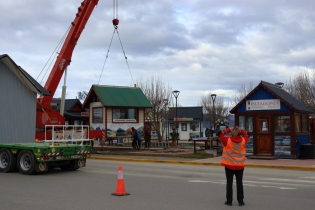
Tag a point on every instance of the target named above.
point(63, 60)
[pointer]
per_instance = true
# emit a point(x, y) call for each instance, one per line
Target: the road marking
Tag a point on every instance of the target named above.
point(287, 188)
point(275, 183)
point(269, 186)
point(203, 181)
point(289, 180)
point(250, 185)
point(281, 188)
point(197, 181)
point(310, 177)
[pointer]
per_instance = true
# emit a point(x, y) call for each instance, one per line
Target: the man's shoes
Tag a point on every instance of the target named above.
point(228, 204)
point(241, 204)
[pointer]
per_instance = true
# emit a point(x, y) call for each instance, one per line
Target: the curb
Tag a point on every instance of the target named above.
point(301, 168)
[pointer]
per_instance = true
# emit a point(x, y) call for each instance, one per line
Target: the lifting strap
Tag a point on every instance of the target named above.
point(115, 23)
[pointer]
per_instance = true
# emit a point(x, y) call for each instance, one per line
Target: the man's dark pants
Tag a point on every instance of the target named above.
point(229, 184)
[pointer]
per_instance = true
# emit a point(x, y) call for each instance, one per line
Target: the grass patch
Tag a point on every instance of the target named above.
point(123, 151)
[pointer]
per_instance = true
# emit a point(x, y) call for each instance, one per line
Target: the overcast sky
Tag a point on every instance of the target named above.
point(197, 46)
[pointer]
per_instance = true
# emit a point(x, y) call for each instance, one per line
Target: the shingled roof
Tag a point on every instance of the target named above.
point(25, 78)
point(73, 107)
point(279, 93)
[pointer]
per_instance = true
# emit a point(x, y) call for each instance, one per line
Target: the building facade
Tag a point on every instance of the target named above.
point(189, 122)
point(115, 109)
point(18, 102)
point(277, 122)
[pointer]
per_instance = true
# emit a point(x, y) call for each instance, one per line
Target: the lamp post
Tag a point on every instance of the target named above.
point(165, 123)
point(176, 93)
point(213, 96)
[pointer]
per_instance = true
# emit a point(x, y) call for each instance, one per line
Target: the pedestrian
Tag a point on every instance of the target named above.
point(217, 129)
point(174, 135)
point(211, 131)
point(207, 132)
point(135, 141)
point(233, 159)
point(147, 139)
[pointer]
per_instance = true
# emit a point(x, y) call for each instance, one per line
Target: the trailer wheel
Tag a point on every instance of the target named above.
point(26, 162)
point(7, 160)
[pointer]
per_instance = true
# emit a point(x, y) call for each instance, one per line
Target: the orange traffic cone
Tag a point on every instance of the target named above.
point(120, 189)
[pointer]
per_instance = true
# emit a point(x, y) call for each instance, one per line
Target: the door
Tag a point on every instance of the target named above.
point(263, 142)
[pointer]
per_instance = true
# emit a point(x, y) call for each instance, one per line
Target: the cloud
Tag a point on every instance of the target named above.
point(197, 47)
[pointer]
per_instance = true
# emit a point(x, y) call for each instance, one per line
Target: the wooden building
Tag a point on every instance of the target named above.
point(18, 102)
point(277, 122)
point(116, 109)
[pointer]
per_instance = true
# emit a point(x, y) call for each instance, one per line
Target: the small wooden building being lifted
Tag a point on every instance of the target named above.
point(277, 122)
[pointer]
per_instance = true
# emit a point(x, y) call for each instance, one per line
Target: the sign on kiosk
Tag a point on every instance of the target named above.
point(263, 104)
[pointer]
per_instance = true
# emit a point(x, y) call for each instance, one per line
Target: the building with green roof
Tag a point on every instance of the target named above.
point(116, 109)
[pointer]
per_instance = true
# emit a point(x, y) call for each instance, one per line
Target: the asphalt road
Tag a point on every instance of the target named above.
point(154, 186)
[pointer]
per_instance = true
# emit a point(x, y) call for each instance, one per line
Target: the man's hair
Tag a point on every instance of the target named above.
point(236, 130)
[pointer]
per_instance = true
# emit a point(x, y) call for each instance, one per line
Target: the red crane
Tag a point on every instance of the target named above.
point(45, 115)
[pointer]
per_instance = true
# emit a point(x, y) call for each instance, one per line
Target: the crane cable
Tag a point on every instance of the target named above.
point(53, 53)
point(124, 54)
point(115, 23)
point(106, 57)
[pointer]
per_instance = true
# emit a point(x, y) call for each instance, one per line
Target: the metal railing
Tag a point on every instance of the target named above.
point(67, 134)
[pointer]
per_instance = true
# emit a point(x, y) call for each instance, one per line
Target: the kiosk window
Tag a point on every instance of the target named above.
point(184, 126)
point(125, 115)
point(97, 116)
point(246, 123)
point(297, 123)
point(194, 126)
point(263, 124)
point(172, 125)
point(304, 123)
point(282, 124)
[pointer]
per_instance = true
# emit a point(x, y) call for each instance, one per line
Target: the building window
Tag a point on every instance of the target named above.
point(282, 124)
point(194, 126)
point(304, 123)
point(172, 125)
point(125, 115)
point(246, 123)
point(184, 126)
point(77, 125)
point(97, 115)
point(263, 124)
point(297, 123)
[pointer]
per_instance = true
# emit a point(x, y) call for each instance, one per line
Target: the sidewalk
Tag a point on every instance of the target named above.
point(288, 164)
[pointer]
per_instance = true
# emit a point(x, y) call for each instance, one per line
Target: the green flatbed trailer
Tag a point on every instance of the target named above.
point(29, 158)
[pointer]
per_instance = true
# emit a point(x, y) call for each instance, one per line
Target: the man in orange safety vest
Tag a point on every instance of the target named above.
point(233, 159)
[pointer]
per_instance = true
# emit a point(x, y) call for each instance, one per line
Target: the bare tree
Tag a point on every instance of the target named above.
point(302, 87)
point(219, 110)
point(160, 97)
point(243, 91)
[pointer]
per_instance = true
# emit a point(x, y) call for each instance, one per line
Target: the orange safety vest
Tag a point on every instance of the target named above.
point(234, 153)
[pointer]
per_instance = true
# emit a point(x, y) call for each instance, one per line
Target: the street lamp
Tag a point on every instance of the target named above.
point(176, 93)
point(213, 96)
point(165, 124)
